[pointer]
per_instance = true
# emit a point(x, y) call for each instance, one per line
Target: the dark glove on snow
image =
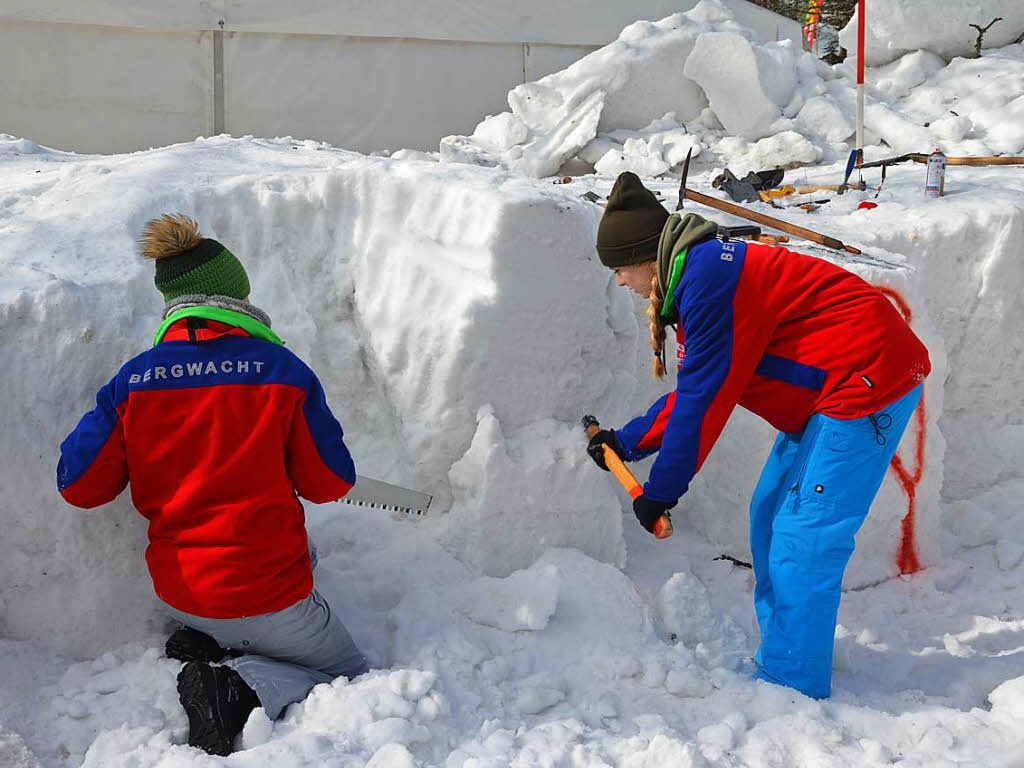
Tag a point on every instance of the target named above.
point(596, 447)
point(648, 511)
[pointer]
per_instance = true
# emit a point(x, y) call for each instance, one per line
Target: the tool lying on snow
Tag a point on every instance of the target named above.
point(377, 494)
point(922, 157)
point(663, 525)
point(744, 213)
point(751, 232)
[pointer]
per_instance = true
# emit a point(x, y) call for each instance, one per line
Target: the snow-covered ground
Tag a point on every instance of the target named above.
point(461, 324)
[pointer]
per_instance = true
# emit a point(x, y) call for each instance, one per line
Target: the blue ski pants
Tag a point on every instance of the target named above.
point(813, 494)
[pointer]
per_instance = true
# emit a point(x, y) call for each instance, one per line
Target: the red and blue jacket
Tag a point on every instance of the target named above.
point(216, 431)
point(782, 334)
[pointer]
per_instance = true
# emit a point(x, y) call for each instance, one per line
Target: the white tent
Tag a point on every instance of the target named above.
point(116, 76)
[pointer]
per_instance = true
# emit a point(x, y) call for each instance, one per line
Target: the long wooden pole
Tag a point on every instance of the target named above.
point(768, 221)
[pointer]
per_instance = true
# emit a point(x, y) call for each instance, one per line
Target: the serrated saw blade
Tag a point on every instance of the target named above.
point(377, 494)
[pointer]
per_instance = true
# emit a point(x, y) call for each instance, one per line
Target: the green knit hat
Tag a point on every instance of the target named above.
point(187, 263)
point(631, 225)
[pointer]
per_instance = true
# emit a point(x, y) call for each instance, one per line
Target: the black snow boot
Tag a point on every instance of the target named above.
point(218, 702)
point(187, 644)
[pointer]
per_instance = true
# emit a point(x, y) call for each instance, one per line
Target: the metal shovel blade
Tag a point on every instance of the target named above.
point(377, 494)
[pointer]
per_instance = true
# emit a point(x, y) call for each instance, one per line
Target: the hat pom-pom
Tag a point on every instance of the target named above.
point(169, 235)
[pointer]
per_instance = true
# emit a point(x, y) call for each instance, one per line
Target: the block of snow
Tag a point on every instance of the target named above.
point(546, 153)
point(501, 131)
point(523, 600)
point(636, 156)
point(897, 79)
point(727, 68)
point(505, 513)
point(462, 149)
point(639, 72)
point(821, 116)
point(392, 755)
point(1008, 698)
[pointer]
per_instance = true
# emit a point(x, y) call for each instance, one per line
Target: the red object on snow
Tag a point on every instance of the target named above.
point(867, 205)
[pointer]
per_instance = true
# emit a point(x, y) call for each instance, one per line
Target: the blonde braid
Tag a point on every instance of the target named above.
point(657, 331)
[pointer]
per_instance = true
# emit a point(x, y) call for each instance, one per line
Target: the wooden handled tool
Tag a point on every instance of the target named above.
point(768, 221)
point(663, 525)
point(760, 218)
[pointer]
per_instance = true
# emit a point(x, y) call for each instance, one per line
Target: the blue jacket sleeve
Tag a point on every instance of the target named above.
point(319, 463)
point(93, 465)
point(725, 335)
point(642, 436)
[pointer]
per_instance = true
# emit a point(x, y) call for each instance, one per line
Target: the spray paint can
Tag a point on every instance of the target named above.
point(935, 179)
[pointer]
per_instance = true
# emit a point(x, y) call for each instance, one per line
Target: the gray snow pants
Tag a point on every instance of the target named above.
point(287, 652)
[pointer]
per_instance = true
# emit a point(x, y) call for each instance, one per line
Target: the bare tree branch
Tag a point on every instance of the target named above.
point(981, 34)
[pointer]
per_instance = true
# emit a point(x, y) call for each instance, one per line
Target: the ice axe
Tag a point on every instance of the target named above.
point(663, 525)
point(760, 218)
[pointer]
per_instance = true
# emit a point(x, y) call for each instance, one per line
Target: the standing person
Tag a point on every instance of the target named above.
point(217, 427)
point(811, 348)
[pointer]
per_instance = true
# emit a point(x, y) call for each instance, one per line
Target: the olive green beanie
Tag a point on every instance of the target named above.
point(631, 225)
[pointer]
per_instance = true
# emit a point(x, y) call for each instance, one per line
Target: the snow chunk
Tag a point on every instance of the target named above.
point(506, 490)
point(624, 85)
point(728, 69)
point(896, 80)
point(545, 154)
point(522, 600)
point(787, 149)
point(392, 756)
point(501, 131)
point(258, 729)
point(635, 156)
point(1008, 698)
point(663, 751)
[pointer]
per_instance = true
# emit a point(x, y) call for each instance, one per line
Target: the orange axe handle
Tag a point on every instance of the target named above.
point(663, 525)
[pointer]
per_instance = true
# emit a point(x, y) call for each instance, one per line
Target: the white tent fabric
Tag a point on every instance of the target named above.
point(116, 76)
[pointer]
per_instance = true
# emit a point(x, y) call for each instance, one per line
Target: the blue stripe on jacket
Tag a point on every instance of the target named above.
point(791, 372)
point(227, 360)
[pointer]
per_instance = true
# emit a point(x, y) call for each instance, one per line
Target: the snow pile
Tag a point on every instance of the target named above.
point(896, 27)
point(701, 81)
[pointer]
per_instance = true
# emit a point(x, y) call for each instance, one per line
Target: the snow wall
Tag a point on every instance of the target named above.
point(461, 324)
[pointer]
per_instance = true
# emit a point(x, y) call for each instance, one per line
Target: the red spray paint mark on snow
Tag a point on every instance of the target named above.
point(906, 558)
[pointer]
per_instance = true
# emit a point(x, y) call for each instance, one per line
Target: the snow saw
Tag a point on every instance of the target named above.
point(663, 525)
point(377, 494)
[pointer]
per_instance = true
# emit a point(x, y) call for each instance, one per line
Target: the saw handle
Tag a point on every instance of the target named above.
point(663, 525)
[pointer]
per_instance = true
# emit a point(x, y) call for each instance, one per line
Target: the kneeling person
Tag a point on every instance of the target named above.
point(217, 428)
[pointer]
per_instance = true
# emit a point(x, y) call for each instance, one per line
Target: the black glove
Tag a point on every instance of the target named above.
point(648, 511)
point(596, 450)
